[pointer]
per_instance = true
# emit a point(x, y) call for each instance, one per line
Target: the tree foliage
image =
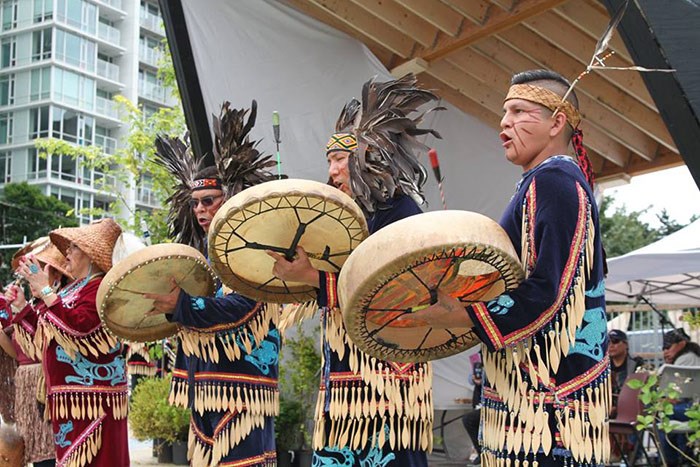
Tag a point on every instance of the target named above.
point(27, 214)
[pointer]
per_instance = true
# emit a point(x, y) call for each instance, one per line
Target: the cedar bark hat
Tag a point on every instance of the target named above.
point(45, 252)
point(95, 240)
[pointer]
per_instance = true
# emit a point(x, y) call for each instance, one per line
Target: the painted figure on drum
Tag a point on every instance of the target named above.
point(547, 389)
point(369, 411)
point(227, 362)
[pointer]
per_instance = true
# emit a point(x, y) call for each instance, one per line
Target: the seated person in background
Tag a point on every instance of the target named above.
point(472, 419)
point(678, 350)
point(622, 364)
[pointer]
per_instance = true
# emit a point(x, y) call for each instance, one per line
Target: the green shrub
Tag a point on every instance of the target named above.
point(151, 417)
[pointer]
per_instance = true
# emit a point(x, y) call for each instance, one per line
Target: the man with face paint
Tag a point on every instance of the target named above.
point(547, 389)
point(363, 412)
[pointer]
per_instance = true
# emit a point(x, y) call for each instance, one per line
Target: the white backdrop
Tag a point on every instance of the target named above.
point(288, 62)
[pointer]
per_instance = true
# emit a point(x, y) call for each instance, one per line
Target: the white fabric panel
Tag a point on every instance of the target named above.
point(307, 71)
point(666, 272)
point(247, 49)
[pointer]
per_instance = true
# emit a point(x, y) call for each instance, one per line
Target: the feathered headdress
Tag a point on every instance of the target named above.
point(381, 134)
point(238, 165)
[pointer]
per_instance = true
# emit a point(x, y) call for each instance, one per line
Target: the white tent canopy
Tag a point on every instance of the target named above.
point(666, 272)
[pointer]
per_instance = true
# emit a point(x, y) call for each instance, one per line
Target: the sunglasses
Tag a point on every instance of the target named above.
point(206, 201)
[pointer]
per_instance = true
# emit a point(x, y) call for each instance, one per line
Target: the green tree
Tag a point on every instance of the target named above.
point(623, 231)
point(27, 214)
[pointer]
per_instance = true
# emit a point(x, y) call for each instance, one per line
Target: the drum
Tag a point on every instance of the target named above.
point(120, 301)
point(279, 216)
point(11, 447)
point(400, 268)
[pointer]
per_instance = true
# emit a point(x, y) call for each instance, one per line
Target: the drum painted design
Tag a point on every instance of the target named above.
point(120, 300)
point(400, 268)
point(278, 216)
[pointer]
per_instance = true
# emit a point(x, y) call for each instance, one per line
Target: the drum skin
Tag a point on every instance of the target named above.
point(120, 300)
point(275, 215)
point(399, 268)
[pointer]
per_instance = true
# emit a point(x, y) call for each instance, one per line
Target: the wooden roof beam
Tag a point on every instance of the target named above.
point(665, 160)
point(401, 19)
point(580, 46)
point(436, 13)
point(504, 4)
point(472, 33)
point(367, 25)
point(527, 56)
point(476, 11)
point(486, 71)
point(592, 21)
point(384, 54)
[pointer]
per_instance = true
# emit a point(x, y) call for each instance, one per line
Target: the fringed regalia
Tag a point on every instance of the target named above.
point(139, 361)
point(86, 380)
point(547, 391)
point(226, 371)
point(369, 411)
point(30, 386)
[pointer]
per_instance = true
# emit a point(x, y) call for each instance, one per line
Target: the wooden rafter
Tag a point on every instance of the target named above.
point(436, 13)
point(397, 17)
point(472, 33)
point(477, 11)
point(580, 46)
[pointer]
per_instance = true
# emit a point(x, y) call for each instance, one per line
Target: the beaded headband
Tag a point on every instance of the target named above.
point(341, 142)
point(547, 98)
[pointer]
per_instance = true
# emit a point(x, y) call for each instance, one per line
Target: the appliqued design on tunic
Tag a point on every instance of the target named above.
point(500, 305)
point(264, 355)
point(346, 457)
point(89, 372)
point(3, 314)
point(591, 335)
point(197, 303)
point(63, 430)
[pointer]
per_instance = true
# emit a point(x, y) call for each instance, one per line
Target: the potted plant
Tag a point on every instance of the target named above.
point(151, 417)
point(299, 377)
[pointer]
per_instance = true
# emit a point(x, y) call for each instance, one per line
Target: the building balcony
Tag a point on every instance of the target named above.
point(106, 107)
point(153, 23)
point(109, 34)
point(107, 70)
point(146, 196)
point(116, 4)
point(149, 55)
point(152, 92)
point(108, 144)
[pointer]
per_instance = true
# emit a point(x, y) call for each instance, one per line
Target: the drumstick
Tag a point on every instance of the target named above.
point(435, 164)
point(276, 131)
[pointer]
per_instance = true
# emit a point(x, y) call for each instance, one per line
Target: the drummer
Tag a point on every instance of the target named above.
point(546, 340)
point(233, 397)
point(350, 377)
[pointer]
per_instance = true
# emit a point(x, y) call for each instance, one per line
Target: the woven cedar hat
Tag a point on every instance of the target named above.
point(96, 240)
point(45, 252)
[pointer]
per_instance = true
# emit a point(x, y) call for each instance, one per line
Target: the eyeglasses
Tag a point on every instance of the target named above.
point(206, 201)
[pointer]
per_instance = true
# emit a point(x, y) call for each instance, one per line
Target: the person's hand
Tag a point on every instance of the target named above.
point(447, 312)
point(32, 271)
point(164, 303)
point(299, 269)
point(15, 296)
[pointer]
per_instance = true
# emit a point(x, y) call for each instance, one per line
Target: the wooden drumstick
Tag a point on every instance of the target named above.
point(435, 164)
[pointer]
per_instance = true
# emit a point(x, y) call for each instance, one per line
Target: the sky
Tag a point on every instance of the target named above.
point(673, 189)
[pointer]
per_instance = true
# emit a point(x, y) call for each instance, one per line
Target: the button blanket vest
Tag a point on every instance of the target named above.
point(226, 371)
point(87, 394)
point(547, 389)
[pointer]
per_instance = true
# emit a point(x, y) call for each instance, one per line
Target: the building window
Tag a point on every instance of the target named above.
point(7, 89)
point(9, 14)
point(5, 167)
point(37, 164)
point(79, 14)
point(43, 10)
point(6, 121)
point(76, 51)
point(72, 127)
point(64, 167)
point(74, 89)
point(39, 122)
point(41, 45)
point(41, 84)
point(8, 52)
point(151, 8)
